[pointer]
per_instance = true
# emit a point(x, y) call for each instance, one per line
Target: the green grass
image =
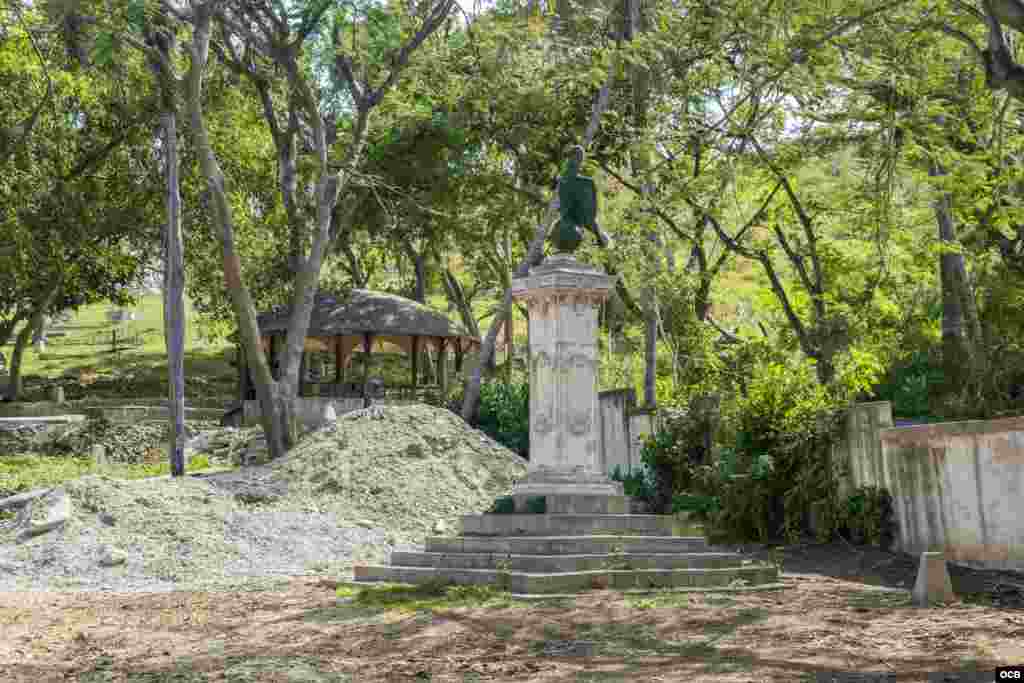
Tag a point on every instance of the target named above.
point(85, 363)
point(26, 472)
point(431, 596)
point(426, 596)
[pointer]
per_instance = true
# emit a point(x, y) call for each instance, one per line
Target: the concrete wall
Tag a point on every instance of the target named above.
point(310, 410)
point(614, 407)
point(642, 423)
point(113, 410)
point(957, 487)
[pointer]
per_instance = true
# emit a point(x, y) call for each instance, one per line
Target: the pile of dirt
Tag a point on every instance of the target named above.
point(406, 467)
point(350, 492)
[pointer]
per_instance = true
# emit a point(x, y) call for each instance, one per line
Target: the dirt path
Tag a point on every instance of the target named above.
point(843, 609)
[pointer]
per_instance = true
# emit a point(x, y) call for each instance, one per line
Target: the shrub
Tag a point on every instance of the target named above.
point(778, 461)
point(671, 455)
point(504, 505)
point(505, 414)
point(868, 517)
point(636, 484)
point(537, 505)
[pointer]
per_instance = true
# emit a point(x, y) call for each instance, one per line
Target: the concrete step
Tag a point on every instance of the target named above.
point(572, 503)
point(568, 582)
point(566, 545)
point(567, 563)
point(572, 525)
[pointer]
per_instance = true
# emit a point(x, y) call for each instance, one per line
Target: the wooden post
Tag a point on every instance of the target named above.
point(442, 369)
point(415, 360)
point(303, 367)
point(458, 355)
point(367, 341)
point(337, 360)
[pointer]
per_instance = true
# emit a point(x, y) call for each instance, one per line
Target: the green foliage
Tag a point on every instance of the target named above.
point(907, 384)
point(505, 505)
point(637, 483)
point(868, 517)
point(671, 454)
point(537, 505)
point(505, 414)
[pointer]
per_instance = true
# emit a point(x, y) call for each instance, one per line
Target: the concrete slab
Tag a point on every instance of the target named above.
point(661, 591)
point(568, 582)
point(22, 499)
point(567, 545)
point(12, 423)
point(572, 525)
point(933, 585)
point(566, 563)
point(577, 504)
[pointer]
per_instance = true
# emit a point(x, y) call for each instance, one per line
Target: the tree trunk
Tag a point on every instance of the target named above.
point(534, 255)
point(959, 317)
point(419, 264)
point(174, 261)
point(34, 323)
point(174, 300)
point(14, 382)
point(457, 297)
point(273, 412)
point(650, 348)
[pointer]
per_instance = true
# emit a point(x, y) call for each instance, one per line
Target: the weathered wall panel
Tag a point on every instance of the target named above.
point(957, 487)
point(614, 407)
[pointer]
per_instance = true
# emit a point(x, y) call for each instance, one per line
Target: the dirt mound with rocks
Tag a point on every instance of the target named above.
point(406, 466)
point(352, 491)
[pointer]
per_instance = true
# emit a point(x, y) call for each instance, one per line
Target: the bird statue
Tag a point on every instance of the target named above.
point(577, 198)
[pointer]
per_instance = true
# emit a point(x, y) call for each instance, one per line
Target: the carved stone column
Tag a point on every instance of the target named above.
point(562, 296)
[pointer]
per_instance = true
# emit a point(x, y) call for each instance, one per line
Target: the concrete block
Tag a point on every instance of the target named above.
point(22, 499)
point(571, 525)
point(578, 504)
point(567, 545)
point(47, 513)
point(933, 584)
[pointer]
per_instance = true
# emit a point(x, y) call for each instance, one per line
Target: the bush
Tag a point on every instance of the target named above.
point(505, 414)
point(671, 455)
point(636, 484)
point(537, 505)
point(504, 505)
point(868, 517)
point(777, 464)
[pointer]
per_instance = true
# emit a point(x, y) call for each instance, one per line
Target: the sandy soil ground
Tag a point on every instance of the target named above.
point(843, 609)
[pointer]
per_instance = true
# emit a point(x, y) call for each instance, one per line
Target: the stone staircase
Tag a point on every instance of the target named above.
point(567, 552)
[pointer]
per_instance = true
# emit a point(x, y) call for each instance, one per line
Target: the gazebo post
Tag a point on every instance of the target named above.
point(337, 364)
point(415, 361)
point(367, 341)
point(458, 355)
point(303, 365)
point(442, 368)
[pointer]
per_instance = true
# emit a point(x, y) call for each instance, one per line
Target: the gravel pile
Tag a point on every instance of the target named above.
point(351, 492)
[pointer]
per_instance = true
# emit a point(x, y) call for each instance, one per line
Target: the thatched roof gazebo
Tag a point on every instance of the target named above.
point(365, 320)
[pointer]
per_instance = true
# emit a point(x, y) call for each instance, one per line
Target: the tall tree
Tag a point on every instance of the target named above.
point(266, 31)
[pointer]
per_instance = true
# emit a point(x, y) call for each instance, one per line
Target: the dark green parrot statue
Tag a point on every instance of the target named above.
point(577, 198)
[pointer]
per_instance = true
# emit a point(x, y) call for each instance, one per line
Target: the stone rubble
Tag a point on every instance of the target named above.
point(370, 482)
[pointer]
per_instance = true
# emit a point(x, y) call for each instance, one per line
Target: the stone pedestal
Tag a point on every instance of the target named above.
point(562, 296)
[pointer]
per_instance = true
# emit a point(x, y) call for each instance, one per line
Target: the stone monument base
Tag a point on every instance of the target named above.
point(570, 491)
point(565, 551)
